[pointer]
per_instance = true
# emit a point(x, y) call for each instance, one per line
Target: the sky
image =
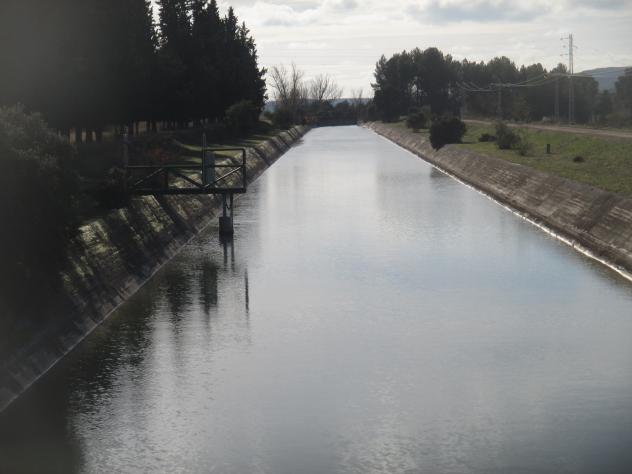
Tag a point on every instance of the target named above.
point(345, 38)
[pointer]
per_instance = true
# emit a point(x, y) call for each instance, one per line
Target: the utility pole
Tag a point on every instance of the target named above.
point(557, 99)
point(500, 100)
point(571, 72)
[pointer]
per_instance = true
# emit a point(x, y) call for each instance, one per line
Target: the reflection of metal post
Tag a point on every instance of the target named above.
point(226, 219)
point(247, 288)
point(232, 254)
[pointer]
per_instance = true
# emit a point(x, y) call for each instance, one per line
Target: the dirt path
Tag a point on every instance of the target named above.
point(566, 129)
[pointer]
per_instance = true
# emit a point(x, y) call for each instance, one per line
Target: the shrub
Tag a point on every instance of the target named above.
point(38, 208)
point(242, 117)
point(578, 159)
point(487, 137)
point(446, 130)
point(618, 119)
point(416, 119)
point(506, 138)
point(524, 145)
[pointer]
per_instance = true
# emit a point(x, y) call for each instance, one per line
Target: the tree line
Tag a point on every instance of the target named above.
point(497, 88)
point(89, 64)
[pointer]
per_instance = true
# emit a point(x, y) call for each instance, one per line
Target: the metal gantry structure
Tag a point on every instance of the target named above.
point(213, 176)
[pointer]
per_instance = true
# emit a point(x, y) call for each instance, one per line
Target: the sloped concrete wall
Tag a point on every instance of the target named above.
point(112, 257)
point(597, 221)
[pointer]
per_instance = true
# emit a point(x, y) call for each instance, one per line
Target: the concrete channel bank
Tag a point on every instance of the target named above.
point(113, 257)
point(597, 222)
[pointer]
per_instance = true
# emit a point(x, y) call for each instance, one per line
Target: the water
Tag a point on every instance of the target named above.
point(371, 316)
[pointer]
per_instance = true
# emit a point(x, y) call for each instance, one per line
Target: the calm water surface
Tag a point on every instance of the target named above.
point(371, 316)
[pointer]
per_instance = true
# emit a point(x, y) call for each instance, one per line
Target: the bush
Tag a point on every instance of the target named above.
point(416, 119)
point(524, 145)
point(487, 137)
point(242, 117)
point(38, 208)
point(506, 138)
point(618, 119)
point(578, 159)
point(446, 130)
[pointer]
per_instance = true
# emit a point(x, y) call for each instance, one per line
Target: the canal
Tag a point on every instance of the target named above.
point(372, 315)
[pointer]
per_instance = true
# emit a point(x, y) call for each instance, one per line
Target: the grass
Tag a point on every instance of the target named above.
point(606, 164)
point(245, 142)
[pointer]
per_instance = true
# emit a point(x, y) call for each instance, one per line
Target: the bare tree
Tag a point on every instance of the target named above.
point(323, 88)
point(357, 98)
point(288, 87)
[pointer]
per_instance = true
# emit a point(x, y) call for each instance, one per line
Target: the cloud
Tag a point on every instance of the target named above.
point(344, 4)
point(479, 11)
point(602, 4)
point(344, 38)
point(280, 14)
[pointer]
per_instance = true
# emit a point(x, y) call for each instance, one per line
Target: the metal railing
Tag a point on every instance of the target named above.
point(209, 177)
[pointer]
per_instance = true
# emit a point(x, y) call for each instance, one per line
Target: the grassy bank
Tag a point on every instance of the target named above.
point(598, 161)
point(604, 162)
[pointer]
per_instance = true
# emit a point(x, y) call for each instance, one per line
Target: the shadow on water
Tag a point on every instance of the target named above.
point(208, 285)
point(438, 174)
point(36, 433)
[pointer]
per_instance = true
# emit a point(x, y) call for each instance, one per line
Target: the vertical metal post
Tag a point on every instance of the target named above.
point(500, 102)
point(126, 160)
point(571, 99)
point(204, 163)
point(557, 98)
point(571, 71)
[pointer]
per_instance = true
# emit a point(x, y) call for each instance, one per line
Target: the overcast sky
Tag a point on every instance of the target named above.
point(346, 37)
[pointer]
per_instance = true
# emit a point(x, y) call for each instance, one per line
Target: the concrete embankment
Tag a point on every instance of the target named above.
point(597, 222)
point(112, 258)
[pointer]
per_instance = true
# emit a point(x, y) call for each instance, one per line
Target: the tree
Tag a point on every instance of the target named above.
point(323, 88)
point(417, 78)
point(289, 90)
point(604, 105)
point(624, 91)
point(38, 201)
point(95, 63)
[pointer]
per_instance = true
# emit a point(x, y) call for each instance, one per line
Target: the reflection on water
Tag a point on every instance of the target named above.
point(370, 315)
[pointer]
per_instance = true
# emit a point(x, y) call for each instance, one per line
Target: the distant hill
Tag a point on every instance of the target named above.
point(606, 76)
